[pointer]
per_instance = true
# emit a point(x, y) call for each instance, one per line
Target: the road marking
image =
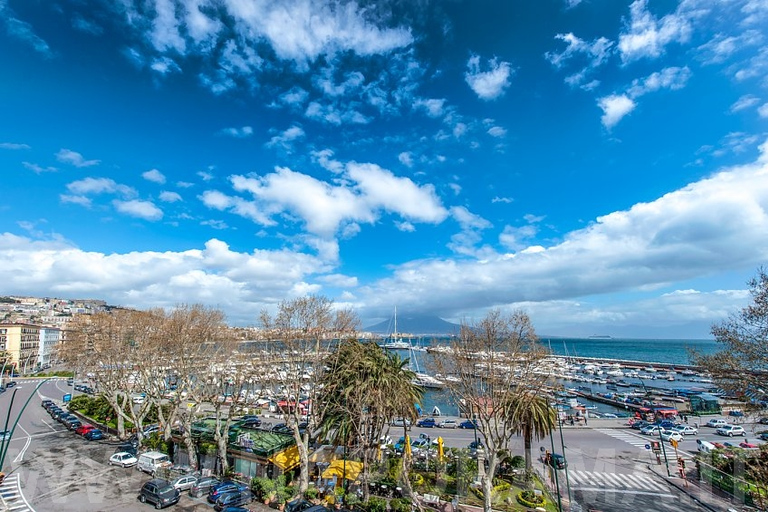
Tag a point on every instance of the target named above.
point(20, 456)
point(607, 481)
point(15, 501)
point(621, 491)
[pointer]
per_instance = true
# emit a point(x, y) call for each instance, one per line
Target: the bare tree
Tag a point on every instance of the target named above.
point(741, 367)
point(489, 369)
point(303, 330)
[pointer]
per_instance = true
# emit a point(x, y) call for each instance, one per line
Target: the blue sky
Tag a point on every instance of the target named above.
point(601, 164)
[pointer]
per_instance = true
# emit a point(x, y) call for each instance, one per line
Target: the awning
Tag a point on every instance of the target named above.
point(286, 459)
point(336, 469)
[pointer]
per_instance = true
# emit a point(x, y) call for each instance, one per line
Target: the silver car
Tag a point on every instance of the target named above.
point(184, 482)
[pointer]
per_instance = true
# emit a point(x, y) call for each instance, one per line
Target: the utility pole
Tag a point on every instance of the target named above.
point(6, 442)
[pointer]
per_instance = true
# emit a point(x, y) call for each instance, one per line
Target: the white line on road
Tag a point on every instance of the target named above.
point(621, 491)
point(20, 456)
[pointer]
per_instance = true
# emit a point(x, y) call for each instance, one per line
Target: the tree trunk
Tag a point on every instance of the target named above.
point(191, 448)
point(302, 443)
point(527, 441)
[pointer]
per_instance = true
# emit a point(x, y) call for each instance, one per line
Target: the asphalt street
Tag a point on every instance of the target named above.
point(52, 469)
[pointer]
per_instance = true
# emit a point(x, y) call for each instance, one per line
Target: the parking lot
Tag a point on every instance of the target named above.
point(59, 471)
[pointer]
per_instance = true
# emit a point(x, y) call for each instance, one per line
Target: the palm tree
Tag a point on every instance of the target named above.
point(364, 387)
point(533, 418)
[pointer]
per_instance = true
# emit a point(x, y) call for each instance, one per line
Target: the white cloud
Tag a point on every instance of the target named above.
point(154, 176)
point(169, 197)
point(722, 47)
point(79, 200)
point(647, 37)
point(165, 65)
point(99, 186)
point(68, 156)
point(286, 139)
point(763, 110)
point(433, 107)
point(238, 133)
point(715, 224)
point(214, 275)
point(597, 52)
point(205, 176)
point(744, 102)
point(672, 78)
point(498, 199)
point(295, 96)
point(488, 85)
point(136, 208)
point(38, 169)
point(615, 107)
point(406, 158)
point(23, 30)
point(497, 131)
point(13, 145)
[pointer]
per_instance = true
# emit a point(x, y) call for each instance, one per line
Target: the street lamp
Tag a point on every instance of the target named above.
point(6, 441)
point(565, 460)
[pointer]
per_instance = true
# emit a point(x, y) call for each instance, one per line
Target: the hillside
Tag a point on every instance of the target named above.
point(415, 324)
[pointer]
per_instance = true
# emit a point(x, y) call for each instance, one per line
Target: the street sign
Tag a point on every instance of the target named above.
point(673, 443)
point(647, 447)
point(67, 398)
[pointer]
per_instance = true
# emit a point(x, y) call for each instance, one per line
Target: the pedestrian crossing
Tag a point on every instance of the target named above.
point(11, 496)
point(638, 441)
point(597, 481)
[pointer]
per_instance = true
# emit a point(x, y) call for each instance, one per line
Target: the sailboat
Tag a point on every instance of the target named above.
point(396, 342)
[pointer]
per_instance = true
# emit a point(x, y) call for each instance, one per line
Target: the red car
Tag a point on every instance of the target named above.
point(84, 429)
point(748, 445)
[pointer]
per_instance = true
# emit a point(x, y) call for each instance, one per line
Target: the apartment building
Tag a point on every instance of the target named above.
point(50, 337)
point(22, 343)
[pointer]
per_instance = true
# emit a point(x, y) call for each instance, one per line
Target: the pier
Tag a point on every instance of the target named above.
point(635, 365)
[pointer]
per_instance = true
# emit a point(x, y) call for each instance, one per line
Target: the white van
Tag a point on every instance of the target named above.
point(151, 461)
point(705, 446)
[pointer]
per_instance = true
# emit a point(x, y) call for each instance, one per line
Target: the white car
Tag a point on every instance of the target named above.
point(686, 430)
point(671, 435)
point(651, 430)
point(123, 459)
point(448, 424)
point(731, 430)
point(716, 423)
point(401, 422)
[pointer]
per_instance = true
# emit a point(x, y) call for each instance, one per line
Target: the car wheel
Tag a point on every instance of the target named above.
point(730, 434)
point(158, 505)
point(142, 498)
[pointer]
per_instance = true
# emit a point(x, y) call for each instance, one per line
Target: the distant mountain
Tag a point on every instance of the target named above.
point(415, 324)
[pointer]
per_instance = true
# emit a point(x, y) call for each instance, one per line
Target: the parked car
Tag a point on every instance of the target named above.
point(298, 505)
point(448, 424)
point(731, 430)
point(84, 428)
point(686, 430)
point(10, 383)
point(671, 435)
point(401, 422)
point(639, 425)
point(184, 482)
point(72, 424)
point(468, 424)
point(66, 417)
point(224, 487)
point(203, 486)
point(281, 428)
point(735, 413)
point(716, 422)
point(94, 435)
point(763, 436)
point(123, 459)
point(745, 444)
point(127, 447)
point(159, 492)
point(5, 435)
point(426, 423)
point(46, 402)
point(233, 499)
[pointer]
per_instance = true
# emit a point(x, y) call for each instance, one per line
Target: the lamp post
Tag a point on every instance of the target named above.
point(565, 460)
point(553, 468)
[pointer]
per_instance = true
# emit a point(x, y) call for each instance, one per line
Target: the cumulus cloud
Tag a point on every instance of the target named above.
point(154, 176)
point(213, 274)
point(286, 139)
point(497, 131)
point(136, 208)
point(595, 53)
point(99, 186)
point(433, 107)
point(169, 197)
point(713, 224)
point(646, 37)
point(762, 110)
point(614, 108)
point(488, 85)
point(68, 156)
point(38, 169)
point(406, 158)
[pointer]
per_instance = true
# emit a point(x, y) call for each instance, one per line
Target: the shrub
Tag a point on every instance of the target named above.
point(530, 499)
point(518, 461)
point(400, 505)
point(310, 494)
point(375, 504)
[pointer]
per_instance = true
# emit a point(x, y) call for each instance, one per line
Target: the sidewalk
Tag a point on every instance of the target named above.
point(699, 492)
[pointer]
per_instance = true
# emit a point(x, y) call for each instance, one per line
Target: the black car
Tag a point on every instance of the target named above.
point(555, 460)
point(298, 505)
point(10, 383)
point(233, 499)
point(203, 486)
point(215, 492)
point(45, 403)
point(159, 492)
point(66, 416)
point(72, 423)
point(126, 447)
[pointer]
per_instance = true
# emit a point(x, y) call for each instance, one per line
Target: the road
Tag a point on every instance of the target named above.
point(52, 470)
